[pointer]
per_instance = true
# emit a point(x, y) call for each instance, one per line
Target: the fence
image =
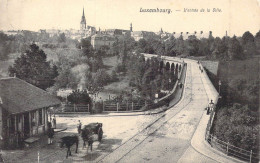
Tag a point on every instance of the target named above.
point(73, 108)
point(226, 147)
point(125, 106)
point(232, 150)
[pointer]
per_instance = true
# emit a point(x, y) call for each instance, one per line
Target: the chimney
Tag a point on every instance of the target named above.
point(210, 32)
point(174, 33)
point(181, 33)
point(201, 32)
point(187, 32)
point(226, 33)
point(195, 32)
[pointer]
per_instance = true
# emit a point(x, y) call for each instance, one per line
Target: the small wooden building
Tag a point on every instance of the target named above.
point(23, 110)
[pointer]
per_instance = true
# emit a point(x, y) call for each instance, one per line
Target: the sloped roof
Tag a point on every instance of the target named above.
point(103, 37)
point(19, 96)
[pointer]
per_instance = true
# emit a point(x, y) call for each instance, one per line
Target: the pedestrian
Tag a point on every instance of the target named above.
point(208, 111)
point(54, 122)
point(50, 133)
point(79, 127)
point(90, 140)
point(100, 133)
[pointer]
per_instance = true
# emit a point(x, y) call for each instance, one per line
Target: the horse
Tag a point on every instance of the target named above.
point(69, 141)
point(87, 135)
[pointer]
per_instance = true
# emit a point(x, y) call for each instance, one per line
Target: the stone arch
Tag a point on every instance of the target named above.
point(176, 69)
point(161, 66)
point(172, 67)
point(167, 66)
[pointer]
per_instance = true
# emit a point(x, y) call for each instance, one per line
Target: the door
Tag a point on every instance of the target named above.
point(26, 125)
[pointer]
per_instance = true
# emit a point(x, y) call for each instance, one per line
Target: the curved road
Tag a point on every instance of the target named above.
point(169, 138)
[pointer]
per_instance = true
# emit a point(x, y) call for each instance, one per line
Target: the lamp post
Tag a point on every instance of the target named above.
point(169, 84)
point(156, 97)
point(219, 84)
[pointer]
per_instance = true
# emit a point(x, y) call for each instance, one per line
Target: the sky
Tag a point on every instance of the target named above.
point(236, 16)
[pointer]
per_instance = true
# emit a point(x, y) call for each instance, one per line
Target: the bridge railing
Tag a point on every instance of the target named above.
point(232, 150)
point(221, 145)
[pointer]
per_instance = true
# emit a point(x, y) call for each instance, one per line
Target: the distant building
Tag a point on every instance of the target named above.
point(86, 31)
point(99, 40)
point(117, 32)
point(163, 34)
point(23, 110)
point(199, 35)
point(137, 35)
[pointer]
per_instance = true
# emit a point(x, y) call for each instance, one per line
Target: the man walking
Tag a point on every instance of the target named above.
point(50, 133)
point(79, 127)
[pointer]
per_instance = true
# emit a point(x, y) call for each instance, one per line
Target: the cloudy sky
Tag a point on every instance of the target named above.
point(236, 16)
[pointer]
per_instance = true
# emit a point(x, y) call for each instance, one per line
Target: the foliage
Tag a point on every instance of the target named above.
point(235, 49)
point(33, 68)
point(79, 97)
point(239, 126)
point(62, 38)
point(7, 44)
point(248, 43)
point(148, 77)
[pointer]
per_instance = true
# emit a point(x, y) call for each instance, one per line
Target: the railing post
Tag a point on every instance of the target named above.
point(117, 106)
point(251, 156)
point(74, 107)
point(132, 106)
point(103, 105)
point(88, 107)
point(227, 147)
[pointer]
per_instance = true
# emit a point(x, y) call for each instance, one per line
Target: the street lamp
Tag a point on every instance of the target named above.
point(169, 84)
point(219, 84)
point(156, 97)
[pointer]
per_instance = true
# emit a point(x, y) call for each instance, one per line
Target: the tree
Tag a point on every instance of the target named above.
point(235, 49)
point(62, 38)
point(86, 46)
point(257, 41)
point(180, 47)
point(192, 45)
point(248, 43)
point(79, 97)
point(220, 49)
point(170, 46)
point(33, 68)
point(5, 46)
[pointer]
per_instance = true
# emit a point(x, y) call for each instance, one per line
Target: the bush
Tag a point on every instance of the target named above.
point(237, 125)
point(97, 108)
point(79, 97)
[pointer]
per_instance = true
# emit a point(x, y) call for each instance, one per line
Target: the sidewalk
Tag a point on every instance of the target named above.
point(198, 141)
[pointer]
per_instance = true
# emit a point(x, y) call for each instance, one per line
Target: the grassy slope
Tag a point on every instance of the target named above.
point(246, 69)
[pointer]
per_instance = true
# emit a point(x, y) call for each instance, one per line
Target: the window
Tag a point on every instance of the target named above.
point(33, 118)
point(40, 117)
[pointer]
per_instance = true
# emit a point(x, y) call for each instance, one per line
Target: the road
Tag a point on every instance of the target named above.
point(168, 140)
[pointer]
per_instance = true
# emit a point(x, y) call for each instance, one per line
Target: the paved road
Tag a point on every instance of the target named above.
point(168, 140)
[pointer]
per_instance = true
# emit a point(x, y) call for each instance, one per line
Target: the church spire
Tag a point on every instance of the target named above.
point(83, 21)
point(83, 15)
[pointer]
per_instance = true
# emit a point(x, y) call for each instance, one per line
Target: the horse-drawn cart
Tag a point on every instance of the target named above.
point(95, 128)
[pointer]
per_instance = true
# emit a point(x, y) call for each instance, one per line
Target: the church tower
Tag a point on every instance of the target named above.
point(131, 28)
point(83, 24)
